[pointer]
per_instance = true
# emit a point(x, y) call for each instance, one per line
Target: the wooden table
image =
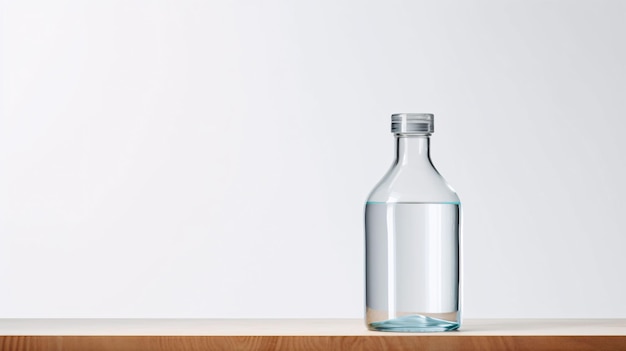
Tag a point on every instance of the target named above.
point(305, 334)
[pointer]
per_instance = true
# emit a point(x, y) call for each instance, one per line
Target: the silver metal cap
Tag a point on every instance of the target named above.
point(413, 123)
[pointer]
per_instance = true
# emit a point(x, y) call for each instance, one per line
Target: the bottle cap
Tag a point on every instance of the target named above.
point(412, 123)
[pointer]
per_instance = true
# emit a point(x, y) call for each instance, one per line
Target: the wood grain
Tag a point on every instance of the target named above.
point(279, 335)
point(322, 343)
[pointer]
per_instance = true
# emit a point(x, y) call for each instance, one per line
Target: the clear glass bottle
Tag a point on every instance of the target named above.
point(412, 239)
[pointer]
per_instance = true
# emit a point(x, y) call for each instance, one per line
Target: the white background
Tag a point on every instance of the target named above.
point(212, 158)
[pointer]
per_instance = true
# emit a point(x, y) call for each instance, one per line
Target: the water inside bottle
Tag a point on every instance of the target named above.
point(412, 266)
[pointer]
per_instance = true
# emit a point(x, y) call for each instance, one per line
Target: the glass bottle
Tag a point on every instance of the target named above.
point(412, 239)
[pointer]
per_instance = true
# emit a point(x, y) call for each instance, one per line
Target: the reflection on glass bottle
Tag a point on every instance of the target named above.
point(412, 239)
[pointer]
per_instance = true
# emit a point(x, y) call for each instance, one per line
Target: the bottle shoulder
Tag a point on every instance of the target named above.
point(413, 184)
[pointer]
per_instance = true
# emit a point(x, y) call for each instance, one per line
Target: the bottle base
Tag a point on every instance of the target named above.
point(414, 324)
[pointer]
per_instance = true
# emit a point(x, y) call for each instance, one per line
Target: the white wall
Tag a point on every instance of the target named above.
point(211, 159)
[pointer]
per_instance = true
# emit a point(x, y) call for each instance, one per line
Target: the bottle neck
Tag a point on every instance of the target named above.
point(412, 149)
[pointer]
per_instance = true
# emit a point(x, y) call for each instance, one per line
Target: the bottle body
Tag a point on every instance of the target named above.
point(412, 242)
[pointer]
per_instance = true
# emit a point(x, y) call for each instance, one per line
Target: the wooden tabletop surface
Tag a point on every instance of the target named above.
point(305, 334)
